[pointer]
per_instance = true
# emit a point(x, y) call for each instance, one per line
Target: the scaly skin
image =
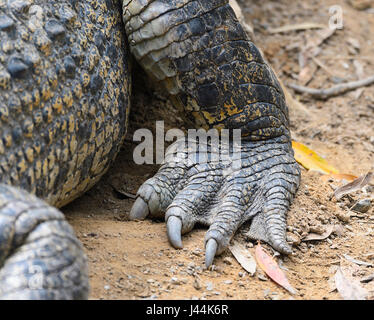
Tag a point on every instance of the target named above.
point(217, 77)
point(64, 101)
point(64, 104)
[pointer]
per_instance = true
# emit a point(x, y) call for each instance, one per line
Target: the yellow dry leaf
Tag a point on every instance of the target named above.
point(311, 160)
point(338, 177)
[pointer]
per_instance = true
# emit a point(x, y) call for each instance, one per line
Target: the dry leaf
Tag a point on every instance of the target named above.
point(349, 289)
point(272, 269)
point(338, 177)
point(243, 256)
point(358, 262)
point(311, 160)
point(353, 186)
point(323, 236)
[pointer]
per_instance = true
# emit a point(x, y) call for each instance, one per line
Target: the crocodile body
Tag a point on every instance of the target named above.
point(65, 87)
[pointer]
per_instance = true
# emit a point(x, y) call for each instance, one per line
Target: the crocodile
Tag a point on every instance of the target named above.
point(65, 91)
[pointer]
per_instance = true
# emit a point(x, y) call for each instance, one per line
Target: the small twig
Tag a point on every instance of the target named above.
point(297, 27)
point(334, 57)
point(322, 66)
point(324, 94)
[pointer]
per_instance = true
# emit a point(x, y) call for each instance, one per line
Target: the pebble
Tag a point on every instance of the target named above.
point(197, 252)
point(174, 280)
point(293, 239)
point(362, 206)
point(228, 261)
point(342, 216)
point(107, 287)
point(227, 282)
point(209, 286)
point(349, 228)
point(197, 284)
point(249, 245)
point(261, 277)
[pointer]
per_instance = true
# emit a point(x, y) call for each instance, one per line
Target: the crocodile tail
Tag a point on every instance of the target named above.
point(40, 256)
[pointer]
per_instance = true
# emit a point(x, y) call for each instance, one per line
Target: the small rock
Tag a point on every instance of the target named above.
point(349, 228)
point(227, 282)
point(197, 252)
point(343, 216)
point(174, 280)
point(106, 287)
point(261, 277)
point(197, 284)
point(318, 229)
point(354, 45)
point(362, 206)
point(293, 239)
point(266, 292)
point(228, 261)
point(209, 286)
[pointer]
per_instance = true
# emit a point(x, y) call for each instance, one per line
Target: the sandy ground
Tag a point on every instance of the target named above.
point(133, 260)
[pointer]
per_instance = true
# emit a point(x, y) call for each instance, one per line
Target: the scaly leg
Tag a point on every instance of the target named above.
point(218, 79)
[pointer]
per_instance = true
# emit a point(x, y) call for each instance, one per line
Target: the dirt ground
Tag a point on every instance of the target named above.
point(133, 260)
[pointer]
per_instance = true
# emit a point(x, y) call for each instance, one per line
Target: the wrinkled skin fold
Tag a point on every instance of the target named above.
point(65, 87)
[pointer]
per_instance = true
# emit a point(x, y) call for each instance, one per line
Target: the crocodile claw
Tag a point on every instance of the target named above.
point(139, 210)
point(210, 251)
point(174, 228)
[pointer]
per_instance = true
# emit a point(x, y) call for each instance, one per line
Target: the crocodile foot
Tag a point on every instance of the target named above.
point(223, 194)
